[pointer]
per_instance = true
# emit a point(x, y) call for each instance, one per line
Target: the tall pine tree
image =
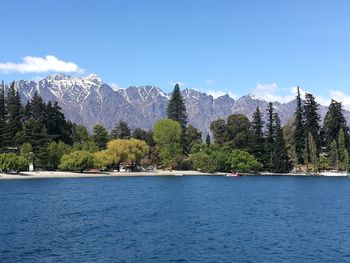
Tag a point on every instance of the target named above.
point(13, 114)
point(299, 131)
point(312, 119)
point(177, 111)
point(257, 141)
point(2, 117)
point(333, 122)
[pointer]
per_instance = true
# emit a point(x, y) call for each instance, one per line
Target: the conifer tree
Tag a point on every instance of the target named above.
point(100, 136)
point(333, 155)
point(207, 139)
point(312, 119)
point(177, 111)
point(176, 108)
point(312, 151)
point(281, 162)
point(299, 133)
point(269, 138)
point(2, 117)
point(257, 125)
point(13, 114)
point(333, 122)
point(120, 131)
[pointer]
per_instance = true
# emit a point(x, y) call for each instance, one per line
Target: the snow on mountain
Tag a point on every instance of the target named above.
point(88, 101)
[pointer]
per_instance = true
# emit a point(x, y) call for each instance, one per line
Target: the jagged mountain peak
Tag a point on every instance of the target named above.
point(88, 100)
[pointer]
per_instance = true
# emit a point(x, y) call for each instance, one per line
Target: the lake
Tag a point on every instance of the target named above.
point(175, 219)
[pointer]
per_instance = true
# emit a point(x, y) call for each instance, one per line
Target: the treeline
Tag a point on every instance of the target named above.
point(38, 133)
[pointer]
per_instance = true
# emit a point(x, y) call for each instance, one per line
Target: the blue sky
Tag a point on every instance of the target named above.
point(237, 47)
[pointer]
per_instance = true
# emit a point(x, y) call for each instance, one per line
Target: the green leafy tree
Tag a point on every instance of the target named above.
point(79, 134)
point(333, 155)
point(312, 149)
point(120, 131)
point(12, 162)
point(238, 132)
point(194, 136)
point(77, 161)
point(243, 161)
point(167, 134)
point(218, 129)
point(26, 151)
point(299, 130)
point(100, 136)
point(143, 135)
point(55, 151)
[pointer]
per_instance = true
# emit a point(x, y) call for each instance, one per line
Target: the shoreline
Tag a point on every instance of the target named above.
point(62, 174)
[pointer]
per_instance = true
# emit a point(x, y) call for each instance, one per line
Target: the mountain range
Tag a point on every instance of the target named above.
point(88, 101)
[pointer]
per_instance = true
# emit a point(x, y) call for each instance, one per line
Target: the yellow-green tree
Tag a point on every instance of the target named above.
point(137, 150)
point(102, 160)
point(168, 134)
point(77, 161)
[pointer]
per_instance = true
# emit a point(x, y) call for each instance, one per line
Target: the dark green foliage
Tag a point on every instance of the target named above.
point(299, 132)
point(333, 122)
point(120, 131)
point(176, 108)
point(312, 119)
point(280, 158)
point(276, 158)
point(2, 117)
point(177, 111)
point(257, 135)
point(79, 134)
point(100, 136)
point(207, 139)
point(143, 135)
point(243, 162)
point(238, 132)
point(13, 114)
point(194, 136)
point(218, 129)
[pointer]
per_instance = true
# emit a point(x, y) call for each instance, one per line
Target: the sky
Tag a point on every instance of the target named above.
point(215, 46)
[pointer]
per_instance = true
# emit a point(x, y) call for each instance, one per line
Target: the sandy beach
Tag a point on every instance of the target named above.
point(61, 174)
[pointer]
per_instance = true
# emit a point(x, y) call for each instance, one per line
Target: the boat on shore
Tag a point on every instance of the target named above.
point(233, 174)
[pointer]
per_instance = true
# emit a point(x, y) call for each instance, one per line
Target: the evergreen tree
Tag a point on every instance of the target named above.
point(2, 117)
point(333, 155)
point(269, 138)
point(100, 136)
point(207, 139)
point(194, 136)
point(281, 162)
point(177, 111)
point(299, 132)
point(218, 129)
point(333, 122)
point(143, 135)
point(120, 131)
point(312, 119)
point(13, 114)
point(176, 108)
point(312, 151)
point(257, 125)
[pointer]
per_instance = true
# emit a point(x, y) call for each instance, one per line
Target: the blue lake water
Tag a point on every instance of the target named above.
point(175, 219)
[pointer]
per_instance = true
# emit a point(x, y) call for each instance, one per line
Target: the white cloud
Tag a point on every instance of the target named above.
point(271, 92)
point(219, 93)
point(341, 97)
point(209, 82)
point(48, 63)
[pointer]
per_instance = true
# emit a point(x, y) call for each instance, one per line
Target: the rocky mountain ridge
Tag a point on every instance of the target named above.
point(88, 101)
